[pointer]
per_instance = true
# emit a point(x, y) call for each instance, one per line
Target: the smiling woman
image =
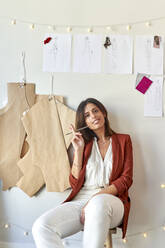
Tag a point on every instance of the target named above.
point(100, 177)
point(94, 117)
point(92, 113)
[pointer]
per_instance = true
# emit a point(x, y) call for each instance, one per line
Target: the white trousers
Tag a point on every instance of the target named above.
point(102, 212)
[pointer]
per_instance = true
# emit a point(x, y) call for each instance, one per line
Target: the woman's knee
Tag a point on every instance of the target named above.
point(37, 226)
point(97, 205)
point(41, 227)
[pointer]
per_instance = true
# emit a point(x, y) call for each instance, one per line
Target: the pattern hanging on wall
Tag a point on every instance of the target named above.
point(45, 122)
point(12, 133)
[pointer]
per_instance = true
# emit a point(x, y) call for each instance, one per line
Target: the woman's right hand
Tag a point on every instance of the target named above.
point(77, 140)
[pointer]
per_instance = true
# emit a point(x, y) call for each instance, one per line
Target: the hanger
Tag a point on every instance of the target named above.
point(51, 96)
point(23, 71)
point(22, 82)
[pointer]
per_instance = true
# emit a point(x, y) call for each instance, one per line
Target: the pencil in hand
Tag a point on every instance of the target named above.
point(79, 129)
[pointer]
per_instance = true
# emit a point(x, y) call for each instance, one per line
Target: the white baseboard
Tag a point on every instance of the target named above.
point(16, 245)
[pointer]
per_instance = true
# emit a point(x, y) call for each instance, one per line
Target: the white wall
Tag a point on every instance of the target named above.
point(125, 106)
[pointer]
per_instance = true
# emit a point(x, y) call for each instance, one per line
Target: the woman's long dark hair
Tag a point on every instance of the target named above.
point(80, 119)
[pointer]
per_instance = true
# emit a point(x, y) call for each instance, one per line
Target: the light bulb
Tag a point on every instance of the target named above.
point(49, 27)
point(65, 242)
point(69, 29)
point(128, 27)
point(164, 228)
point(32, 26)
point(148, 24)
point(124, 240)
point(108, 28)
point(90, 30)
point(145, 235)
point(162, 185)
point(6, 226)
point(13, 22)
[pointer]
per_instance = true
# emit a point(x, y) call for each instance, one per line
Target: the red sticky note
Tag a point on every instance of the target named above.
point(144, 84)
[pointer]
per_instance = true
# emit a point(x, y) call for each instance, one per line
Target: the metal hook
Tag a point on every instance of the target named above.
point(52, 84)
point(23, 70)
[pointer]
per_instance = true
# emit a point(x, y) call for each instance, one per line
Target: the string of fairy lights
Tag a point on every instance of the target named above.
point(143, 234)
point(54, 27)
point(26, 232)
point(6, 225)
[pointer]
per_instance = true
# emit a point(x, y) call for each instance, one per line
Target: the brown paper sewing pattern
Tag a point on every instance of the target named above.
point(32, 180)
point(12, 133)
point(47, 159)
point(67, 116)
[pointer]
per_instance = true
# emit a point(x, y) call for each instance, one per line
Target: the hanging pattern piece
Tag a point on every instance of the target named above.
point(45, 125)
point(12, 134)
point(67, 116)
point(32, 180)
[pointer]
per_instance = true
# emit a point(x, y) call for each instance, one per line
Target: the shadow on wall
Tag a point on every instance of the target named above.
point(138, 215)
point(145, 192)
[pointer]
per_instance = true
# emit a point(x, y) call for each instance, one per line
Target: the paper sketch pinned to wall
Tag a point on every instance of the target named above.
point(118, 54)
point(57, 53)
point(149, 54)
point(87, 53)
point(153, 99)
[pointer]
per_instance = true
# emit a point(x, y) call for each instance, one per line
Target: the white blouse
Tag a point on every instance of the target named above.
point(98, 170)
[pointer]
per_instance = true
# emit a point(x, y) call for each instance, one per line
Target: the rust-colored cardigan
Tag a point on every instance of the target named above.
point(121, 176)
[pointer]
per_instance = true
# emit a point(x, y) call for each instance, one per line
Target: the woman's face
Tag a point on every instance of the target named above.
point(94, 118)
